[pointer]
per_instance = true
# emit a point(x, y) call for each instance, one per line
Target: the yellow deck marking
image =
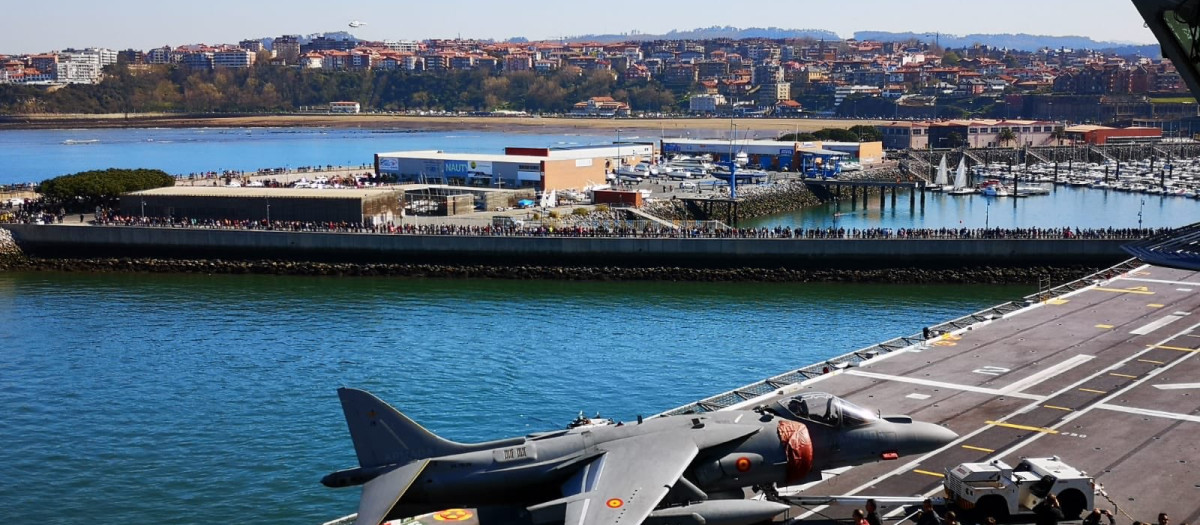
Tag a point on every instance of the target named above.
point(1154, 305)
point(981, 449)
point(928, 473)
point(1058, 301)
point(1024, 427)
point(1105, 326)
point(1055, 407)
point(1116, 290)
point(1176, 348)
point(1092, 391)
point(1127, 376)
point(1151, 361)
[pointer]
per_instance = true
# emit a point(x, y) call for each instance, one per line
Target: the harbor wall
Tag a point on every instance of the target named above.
point(204, 244)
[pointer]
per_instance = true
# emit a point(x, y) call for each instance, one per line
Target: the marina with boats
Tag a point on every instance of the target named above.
point(1025, 173)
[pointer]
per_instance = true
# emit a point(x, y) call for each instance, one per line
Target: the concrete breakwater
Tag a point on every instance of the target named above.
point(98, 248)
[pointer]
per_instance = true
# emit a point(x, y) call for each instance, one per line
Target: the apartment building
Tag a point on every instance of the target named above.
point(233, 59)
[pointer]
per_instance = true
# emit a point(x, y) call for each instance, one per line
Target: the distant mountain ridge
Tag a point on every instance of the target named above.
point(1021, 41)
point(707, 33)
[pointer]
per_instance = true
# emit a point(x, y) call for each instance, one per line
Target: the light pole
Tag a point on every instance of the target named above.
point(987, 213)
point(268, 213)
point(1140, 207)
point(617, 168)
point(143, 210)
point(732, 164)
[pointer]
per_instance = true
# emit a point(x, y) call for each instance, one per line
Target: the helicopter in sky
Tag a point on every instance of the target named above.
point(356, 23)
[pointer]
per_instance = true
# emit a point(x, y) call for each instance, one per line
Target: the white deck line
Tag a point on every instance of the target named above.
point(1150, 413)
point(1150, 327)
point(1178, 386)
point(941, 384)
point(1049, 372)
point(1160, 281)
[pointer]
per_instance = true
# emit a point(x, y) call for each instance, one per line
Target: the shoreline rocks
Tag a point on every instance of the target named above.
point(11, 256)
point(753, 202)
point(973, 275)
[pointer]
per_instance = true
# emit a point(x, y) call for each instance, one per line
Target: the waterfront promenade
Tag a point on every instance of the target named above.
point(641, 229)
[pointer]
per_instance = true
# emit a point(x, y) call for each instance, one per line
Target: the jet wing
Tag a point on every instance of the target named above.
point(624, 485)
point(382, 493)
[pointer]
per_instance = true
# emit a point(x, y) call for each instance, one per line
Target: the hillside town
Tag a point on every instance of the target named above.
point(723, 77)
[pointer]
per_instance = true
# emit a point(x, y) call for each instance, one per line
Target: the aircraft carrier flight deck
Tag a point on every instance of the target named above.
point(1104, 377)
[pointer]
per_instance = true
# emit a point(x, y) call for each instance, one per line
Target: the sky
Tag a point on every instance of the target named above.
point(142, 24)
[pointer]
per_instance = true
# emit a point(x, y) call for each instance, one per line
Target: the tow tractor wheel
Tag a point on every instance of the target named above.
point(991, 507)
point(1072, 503)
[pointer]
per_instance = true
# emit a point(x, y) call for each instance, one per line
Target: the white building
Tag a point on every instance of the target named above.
point(706, 103)
point(344, 107)
point(233, 59)
point(842, 92)
point(407, 46)
point(83, 67)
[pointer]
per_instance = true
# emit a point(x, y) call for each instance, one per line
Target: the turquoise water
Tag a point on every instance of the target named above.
point(211, 399)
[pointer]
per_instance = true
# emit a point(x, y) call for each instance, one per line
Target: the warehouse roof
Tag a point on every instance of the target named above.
point(262, 193)
point(466, 157)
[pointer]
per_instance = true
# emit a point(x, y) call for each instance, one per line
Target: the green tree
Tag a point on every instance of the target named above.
point(867, 133)
point(88, 189)
point(1006, 136)
point(951, 59)
point(837, 135)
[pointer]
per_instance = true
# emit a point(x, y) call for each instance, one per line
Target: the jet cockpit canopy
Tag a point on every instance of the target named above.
point(826, 409)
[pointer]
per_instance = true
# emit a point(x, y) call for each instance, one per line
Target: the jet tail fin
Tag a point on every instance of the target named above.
point(384, 436)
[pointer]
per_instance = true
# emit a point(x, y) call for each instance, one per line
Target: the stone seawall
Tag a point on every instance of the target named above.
point(976, 275)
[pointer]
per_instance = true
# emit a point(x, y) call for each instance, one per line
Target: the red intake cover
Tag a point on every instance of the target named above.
point(797, 446)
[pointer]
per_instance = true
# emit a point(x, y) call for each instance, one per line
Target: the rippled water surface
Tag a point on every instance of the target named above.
point(211, 399)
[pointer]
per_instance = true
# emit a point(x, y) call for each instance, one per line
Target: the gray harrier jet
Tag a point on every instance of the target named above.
point(685, 469)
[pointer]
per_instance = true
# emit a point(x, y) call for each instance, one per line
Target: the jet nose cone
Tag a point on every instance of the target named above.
point(926, 437)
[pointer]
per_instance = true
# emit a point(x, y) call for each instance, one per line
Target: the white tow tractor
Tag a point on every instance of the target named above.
point(998, 490)
point(993, 489)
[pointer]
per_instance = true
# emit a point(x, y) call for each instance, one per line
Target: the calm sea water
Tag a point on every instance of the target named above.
point(36, 155)
point(1066, 206)
point(211, 399)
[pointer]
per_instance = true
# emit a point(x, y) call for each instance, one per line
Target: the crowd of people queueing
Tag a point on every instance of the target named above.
point(631, 229)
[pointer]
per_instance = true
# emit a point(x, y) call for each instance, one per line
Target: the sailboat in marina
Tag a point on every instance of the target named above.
point(960, 179)
point(941, 182)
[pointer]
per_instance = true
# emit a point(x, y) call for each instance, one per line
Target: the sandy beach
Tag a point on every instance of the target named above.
point(670, 127)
